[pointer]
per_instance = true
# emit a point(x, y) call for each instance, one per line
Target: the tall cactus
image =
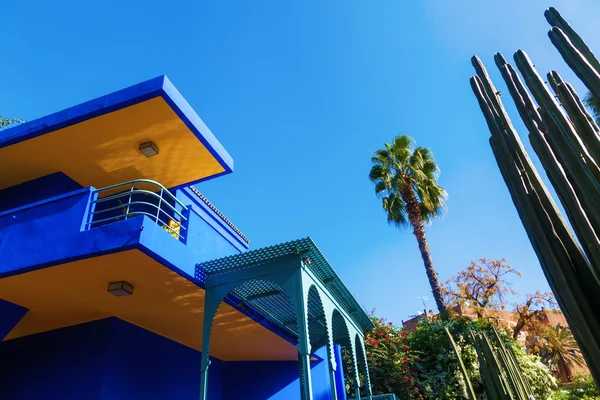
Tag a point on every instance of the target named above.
point(578, 63)
point(500, 373)
point(585, 223)
point(566, 267)
point(583, 122)
point(516, 379)
point(566, 142)
point(463, 370)
point(555, 19)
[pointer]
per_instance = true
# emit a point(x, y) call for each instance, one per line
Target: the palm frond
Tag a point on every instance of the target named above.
point(395, 209)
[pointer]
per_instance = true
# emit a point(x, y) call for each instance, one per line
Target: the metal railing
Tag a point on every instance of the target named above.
point(159, 208)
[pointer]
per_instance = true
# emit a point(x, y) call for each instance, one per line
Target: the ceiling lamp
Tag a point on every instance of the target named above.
point(121, 288)
point(149, 149)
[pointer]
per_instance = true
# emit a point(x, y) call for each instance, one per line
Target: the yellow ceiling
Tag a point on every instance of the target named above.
point(103, 151)
point(163, 302)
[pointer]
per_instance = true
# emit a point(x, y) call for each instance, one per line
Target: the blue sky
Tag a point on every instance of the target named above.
point(300, 94)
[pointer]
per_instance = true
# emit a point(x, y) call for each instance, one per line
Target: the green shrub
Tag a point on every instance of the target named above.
point(537, 373)
point(582, 387)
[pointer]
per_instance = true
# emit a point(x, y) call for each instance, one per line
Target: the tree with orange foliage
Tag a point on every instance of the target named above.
point(530, 313)
point(483, 286)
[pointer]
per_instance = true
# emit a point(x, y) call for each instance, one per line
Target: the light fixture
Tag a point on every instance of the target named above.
point(120, 288)
point(149, 149)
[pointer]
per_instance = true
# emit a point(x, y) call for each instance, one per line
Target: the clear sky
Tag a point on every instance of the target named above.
point(300, 93)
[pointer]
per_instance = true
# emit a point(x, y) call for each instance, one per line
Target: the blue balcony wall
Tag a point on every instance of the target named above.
point(36, 190)
point(49, 232)
point(112, 359)
point(208, 236)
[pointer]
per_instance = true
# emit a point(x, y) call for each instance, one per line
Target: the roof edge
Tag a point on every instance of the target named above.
point(159, 86)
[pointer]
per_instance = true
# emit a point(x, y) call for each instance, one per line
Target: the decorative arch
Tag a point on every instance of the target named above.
point(340, 332)
point(362, 364)
point(318, 331)
point(287, 282)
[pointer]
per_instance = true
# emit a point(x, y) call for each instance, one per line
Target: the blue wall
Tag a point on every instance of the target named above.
point(36, 190)
point(111, 359)
point(61, 364)
point(142, 365)
point(340, 382)
point(275, 380)
point(10, 315)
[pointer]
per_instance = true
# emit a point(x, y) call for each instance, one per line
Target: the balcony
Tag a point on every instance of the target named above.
point(177, 227)
point(136, 198)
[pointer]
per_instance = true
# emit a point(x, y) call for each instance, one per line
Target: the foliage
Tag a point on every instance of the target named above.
point(593, 106)
point(581, 387)
point(537, 374)
point(391, 366)
point(530, 313)
point(484, 286)
point(559, 350)
point(406, 180)
point(5, 122)
point(438, 371)
point(437, 365)
point(423, 364)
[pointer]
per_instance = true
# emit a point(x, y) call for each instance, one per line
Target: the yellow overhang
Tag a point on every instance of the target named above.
point(162, 302)
point(97, 143)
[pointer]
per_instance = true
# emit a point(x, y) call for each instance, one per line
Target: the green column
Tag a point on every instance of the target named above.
point(305, 378)
point(297, 293)
point(212, 299)
point(357, 391)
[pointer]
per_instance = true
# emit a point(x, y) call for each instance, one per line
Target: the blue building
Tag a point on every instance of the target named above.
point(120, 280)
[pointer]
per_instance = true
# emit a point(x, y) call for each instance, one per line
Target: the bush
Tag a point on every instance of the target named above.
point(423, 365)
point(582, 387)
point(541, 380)
point(391, 366)
point(438, 371)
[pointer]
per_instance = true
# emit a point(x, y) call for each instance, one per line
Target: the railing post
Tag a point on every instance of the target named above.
point(159, 205)
point(129, 201)
point(89, 211)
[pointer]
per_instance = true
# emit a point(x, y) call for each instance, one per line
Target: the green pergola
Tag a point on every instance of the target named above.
point(294, 288)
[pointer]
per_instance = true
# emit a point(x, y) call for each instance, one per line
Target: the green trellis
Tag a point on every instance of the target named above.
point(294, 287)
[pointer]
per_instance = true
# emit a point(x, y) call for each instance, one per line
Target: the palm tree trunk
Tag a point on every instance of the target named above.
point(563, 369)
point(416, 221)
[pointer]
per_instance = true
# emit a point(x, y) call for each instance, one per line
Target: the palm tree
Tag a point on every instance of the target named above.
point(405, 179)
point(560, 351)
